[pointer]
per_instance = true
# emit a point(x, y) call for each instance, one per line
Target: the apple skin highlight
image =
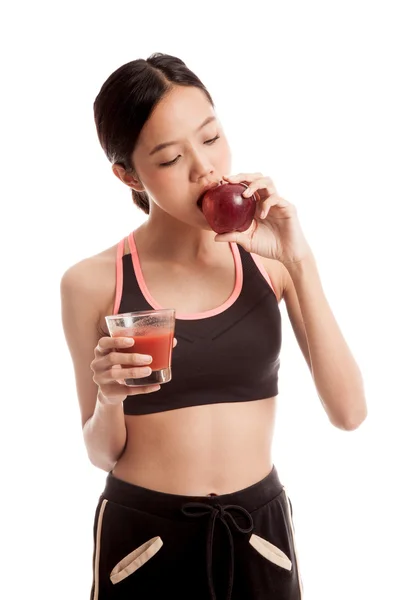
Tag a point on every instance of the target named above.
point(225, 208)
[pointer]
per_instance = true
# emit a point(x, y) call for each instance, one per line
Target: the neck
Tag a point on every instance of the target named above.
point(167, 239)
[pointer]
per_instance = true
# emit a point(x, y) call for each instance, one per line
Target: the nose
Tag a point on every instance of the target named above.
point(201, 167)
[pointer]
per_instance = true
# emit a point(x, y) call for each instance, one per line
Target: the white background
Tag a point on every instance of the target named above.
point(308, 93)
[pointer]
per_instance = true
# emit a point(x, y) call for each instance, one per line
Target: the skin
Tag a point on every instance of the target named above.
point(196, 450)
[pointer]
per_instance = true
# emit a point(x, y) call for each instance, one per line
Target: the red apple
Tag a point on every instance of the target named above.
point(225, 208)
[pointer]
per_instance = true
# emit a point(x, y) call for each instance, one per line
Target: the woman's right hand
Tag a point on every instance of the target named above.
point(111, 367)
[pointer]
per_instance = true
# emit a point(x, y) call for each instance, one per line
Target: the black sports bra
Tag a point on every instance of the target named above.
point(228, 354)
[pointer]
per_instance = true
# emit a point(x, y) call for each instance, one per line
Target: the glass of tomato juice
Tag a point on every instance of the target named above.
point(153, 332)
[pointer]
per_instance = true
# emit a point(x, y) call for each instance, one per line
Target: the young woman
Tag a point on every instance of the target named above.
point(193, 507)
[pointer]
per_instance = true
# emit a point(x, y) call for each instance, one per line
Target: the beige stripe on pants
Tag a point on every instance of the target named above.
point(294, 544)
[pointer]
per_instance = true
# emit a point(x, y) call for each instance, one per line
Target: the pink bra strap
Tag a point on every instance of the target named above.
point(262, 270)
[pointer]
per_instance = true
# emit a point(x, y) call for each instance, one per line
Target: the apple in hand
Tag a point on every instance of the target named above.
point(225, 208)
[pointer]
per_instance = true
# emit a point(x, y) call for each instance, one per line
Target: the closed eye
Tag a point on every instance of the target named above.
point(172, 162)
point(214, 139)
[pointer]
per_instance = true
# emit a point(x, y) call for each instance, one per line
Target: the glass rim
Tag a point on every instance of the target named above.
point(141, 313)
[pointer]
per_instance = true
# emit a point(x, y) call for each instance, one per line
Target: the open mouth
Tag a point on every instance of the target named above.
point(200, 201)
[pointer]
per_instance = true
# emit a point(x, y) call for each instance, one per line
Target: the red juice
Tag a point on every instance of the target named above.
point(158, 345)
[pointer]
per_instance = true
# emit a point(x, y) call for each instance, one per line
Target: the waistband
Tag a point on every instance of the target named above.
point(169, 505)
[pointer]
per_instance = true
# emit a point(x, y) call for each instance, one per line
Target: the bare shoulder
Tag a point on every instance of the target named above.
point(87, 294)
point(92, 279)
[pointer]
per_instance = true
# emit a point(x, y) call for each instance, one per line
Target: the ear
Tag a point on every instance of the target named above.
point(130, 179)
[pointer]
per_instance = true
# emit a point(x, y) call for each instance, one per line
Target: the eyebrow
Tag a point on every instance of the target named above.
point(166, 144)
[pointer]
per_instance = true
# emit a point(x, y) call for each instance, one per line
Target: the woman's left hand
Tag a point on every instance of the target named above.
point(275, 231)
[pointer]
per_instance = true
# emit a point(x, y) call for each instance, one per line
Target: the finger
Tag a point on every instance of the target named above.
point(264, 188)
point(239, 237)
point(101, 364)
point(273, 200)
point(243, 177)
point(174, 342)
point(105, 345)
point(128, 358)
point(118, 373)
point(234, 237)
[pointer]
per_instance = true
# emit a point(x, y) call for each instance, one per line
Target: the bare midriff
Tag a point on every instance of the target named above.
point(206, 449)
point(200, 450)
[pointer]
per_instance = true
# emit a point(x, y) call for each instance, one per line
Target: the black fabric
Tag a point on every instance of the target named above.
point(206, 552)
point(230, 357)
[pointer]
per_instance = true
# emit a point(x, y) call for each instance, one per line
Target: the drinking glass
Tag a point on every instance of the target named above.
point(153, 332)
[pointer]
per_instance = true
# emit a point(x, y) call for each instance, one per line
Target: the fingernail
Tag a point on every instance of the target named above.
point(247, 193)
point(129, 341)
point(146, 358)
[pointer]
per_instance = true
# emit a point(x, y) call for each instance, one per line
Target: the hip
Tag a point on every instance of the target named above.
point(151, 544)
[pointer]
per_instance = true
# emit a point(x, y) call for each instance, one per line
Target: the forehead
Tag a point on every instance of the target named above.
point(177, 115)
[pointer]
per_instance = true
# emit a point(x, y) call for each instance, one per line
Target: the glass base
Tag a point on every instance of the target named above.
point(161, 376)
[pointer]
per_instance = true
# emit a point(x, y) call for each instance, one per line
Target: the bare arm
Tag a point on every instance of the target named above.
point(336, 375)
point(86, 289)
point(105, 434)
point(103, 425)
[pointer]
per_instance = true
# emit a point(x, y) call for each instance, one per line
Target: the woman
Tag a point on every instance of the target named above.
point(193, 507)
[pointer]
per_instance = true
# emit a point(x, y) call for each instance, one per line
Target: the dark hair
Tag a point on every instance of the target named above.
point(127, 99)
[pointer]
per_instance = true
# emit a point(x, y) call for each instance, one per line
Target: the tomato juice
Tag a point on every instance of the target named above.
point(157, 344)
